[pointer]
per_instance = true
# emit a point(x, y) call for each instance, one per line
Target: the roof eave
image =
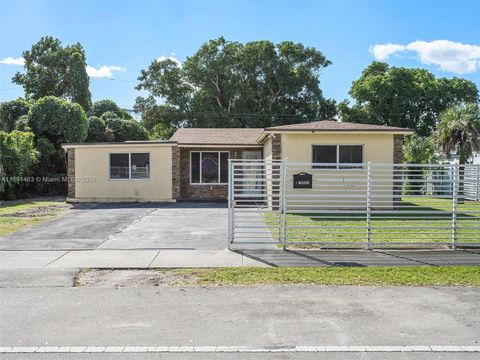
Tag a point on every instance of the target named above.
point(218, 145)
point(310, 131)
point(118, 144)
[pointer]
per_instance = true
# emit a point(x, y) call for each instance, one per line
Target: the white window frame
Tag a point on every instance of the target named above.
point(190, 167)
point(337, 163)
point(129, 165)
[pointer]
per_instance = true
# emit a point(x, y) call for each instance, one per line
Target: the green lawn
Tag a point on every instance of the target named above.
point(376, 276)
point(350, 228)
point(16, 215)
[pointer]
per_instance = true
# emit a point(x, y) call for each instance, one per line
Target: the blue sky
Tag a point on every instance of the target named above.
point(125, 36)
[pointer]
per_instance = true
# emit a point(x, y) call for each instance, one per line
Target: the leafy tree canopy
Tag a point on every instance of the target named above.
point(102, 106)
point(398, 96)
point(23, 124)
point(51, 69)
point(97, 130)
point(122, 130)
point(230, 84)
point(58, 120)
point(10, 111)
point(160, 119)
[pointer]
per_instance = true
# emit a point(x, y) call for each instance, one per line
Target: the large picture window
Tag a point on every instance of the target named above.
point(209, 167)
point(129, 166)
point(337, 155)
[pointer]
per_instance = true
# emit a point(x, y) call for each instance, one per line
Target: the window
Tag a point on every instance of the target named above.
point(350, 154)
point(119, 166)
point(130, 166)
point(325, 154)
point(208, 167)
point(337, 154)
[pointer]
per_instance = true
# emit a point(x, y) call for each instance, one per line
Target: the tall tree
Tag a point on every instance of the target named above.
point(55, 121)
point(230, 84)
point(404, 97)
point(459, 131)
point(51, 69)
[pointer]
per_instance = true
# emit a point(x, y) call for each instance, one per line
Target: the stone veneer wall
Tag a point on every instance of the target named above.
point(71, 172)
point(397, 149)
point(175, 172)
point(276, 147)
point(204, 191)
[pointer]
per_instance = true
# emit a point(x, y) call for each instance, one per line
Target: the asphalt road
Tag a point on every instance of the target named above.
point(239, 316)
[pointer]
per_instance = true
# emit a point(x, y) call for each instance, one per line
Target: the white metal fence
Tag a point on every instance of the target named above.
point(353, 205)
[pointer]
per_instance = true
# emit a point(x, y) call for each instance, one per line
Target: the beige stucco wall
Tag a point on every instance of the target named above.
point(92, 175)
point(340, 188)
point(378, 148)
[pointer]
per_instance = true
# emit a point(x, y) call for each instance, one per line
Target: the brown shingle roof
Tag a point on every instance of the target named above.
point(327, 125)
point(216, 136)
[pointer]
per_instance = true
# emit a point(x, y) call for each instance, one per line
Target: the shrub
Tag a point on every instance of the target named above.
point(10, 111)
point(17, 158)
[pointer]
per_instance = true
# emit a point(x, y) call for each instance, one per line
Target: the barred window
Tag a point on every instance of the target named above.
point(129, 166)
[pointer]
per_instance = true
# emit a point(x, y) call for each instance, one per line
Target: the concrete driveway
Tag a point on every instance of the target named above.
point(183, 226)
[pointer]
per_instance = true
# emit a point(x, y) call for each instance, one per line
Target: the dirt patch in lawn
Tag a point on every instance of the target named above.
point(22, 214)
point(42, 210)
point(133, 278)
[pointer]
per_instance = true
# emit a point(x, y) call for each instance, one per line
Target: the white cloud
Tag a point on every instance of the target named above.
point(171, 57)
point(448, 55)
point(105, 71)
point(13, 61)
point(383, 51)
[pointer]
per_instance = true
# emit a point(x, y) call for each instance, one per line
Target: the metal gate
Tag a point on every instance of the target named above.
point(282, 204)
point(255, 198)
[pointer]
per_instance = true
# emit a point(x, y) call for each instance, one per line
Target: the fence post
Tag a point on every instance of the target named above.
point(284, 187)
point(230, 204)
point(478, 183)
point(456, 179)
point(278, 193)
point(369, 205)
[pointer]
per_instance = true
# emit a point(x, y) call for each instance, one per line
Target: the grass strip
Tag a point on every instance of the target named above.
point(372, 276)
point(15, 216)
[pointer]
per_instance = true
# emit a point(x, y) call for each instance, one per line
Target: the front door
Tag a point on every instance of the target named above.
point(252, 181)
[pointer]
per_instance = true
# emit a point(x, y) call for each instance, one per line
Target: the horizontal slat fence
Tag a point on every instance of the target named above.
point(354, 205)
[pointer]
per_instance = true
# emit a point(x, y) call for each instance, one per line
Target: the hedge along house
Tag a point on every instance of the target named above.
point(193, 163)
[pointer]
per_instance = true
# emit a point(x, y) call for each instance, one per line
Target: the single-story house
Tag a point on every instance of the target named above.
point(193, 163)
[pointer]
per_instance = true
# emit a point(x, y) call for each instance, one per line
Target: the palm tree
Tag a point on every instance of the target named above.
point(459, 131)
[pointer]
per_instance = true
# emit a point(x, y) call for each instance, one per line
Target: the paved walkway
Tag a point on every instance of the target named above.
point(225, 258)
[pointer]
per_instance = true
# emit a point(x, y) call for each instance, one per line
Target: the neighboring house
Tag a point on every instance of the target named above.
point(193, 163)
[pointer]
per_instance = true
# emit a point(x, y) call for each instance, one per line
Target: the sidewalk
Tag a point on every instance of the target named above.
point(55, 259)
point(123, 259)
